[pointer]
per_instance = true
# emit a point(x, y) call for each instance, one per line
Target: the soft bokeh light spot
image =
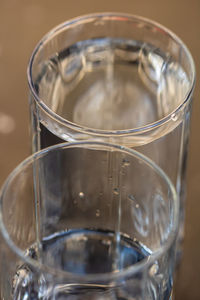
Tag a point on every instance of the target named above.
point(7, 123)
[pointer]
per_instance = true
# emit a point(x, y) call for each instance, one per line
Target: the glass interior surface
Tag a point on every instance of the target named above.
point(88, 220)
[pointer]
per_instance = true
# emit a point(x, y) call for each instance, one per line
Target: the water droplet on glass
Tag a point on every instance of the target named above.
point(106, 242)
point(97, 213)
point(116, 191)
point(153, 269)
point(131, 197)
point(125, 162)
point(81, 195)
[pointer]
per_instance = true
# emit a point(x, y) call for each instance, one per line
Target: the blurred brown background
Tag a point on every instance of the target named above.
point(24, 22)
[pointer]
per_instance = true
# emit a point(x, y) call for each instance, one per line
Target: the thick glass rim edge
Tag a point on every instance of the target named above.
point(100, 132)
point(100, 276)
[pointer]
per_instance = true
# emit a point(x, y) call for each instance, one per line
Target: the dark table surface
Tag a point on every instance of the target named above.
point(24, 22)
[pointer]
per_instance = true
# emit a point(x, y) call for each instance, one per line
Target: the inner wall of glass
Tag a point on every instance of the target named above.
point(111, 73)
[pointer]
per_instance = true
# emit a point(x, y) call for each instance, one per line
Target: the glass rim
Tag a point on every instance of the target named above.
point(103, 132)
point(131, 270)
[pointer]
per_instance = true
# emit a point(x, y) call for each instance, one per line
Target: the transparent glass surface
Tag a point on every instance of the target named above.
point(115, 78)
point(87, 221)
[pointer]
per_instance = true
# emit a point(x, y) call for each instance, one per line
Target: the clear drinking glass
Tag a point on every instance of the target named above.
point(116, 78)
point(75, 227)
